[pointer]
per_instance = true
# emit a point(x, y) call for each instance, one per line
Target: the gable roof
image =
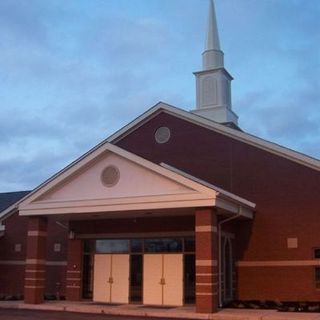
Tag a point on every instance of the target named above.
point(274, 148)
point(143, 185)
point(219, 128)
point(7, 199)
point(8, 206)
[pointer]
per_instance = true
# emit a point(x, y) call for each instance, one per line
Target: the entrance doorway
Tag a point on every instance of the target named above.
point(163, 279)
point(111, 278)
point(130, 271)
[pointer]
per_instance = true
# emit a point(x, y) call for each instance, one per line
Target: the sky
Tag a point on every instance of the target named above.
point(72, 72)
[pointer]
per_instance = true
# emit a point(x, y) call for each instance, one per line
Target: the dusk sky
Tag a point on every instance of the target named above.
point(74, 71)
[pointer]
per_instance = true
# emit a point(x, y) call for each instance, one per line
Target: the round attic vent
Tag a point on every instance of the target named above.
point(162, 135)
point(110, 176)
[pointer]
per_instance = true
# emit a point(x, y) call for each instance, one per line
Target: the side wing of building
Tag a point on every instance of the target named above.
point(276, 252)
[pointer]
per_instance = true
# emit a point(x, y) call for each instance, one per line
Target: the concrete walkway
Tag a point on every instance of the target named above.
point(172, 313)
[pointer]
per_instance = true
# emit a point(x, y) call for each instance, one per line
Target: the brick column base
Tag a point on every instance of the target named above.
point(35, 262)
point(74, 270)
point(206, 261)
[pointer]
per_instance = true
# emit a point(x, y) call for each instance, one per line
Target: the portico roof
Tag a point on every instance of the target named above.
point(132, 184)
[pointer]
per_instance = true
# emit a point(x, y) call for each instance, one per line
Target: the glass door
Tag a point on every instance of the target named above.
point(136, 265)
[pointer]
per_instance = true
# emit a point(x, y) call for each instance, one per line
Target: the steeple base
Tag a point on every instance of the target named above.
point(220, 114)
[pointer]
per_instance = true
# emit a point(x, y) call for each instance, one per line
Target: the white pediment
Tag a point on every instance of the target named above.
point(141, 185)
point(134, 181)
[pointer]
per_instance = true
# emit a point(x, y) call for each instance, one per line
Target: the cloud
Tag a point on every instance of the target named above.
point(74, 72)
point(291, 119)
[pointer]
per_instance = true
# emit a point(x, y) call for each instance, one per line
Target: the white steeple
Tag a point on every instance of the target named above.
point(212, 56)
point(214, 82)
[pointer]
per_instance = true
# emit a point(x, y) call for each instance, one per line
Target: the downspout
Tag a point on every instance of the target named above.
point(239, 214)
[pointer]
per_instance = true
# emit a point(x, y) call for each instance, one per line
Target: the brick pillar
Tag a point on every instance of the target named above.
point(206, 261)
point(74, 270)
point(34, 285)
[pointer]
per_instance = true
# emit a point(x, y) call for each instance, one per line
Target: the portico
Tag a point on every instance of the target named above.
point(138, 218)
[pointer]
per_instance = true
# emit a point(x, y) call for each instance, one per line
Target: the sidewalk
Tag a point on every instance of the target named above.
point(173, 313)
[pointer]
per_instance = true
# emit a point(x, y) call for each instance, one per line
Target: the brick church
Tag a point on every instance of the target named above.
point(175, 208)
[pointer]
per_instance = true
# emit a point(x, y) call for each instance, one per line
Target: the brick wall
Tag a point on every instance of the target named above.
point(285, 192)
point(12, 262)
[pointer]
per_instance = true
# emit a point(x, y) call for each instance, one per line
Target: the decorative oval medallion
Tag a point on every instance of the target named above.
point(110, 176)
point(162, 135)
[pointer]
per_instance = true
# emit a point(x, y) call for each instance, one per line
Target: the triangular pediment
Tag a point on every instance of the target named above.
point(123, 178)
point(112, 179)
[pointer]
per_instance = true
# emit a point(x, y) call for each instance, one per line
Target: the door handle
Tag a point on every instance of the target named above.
point(110, 280)
point(162, 281)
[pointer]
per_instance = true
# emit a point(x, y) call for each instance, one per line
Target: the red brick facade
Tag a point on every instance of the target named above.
point(206, 261)
point(34, 284)
point(286, 194)
point(13, 252)
point(74, 270)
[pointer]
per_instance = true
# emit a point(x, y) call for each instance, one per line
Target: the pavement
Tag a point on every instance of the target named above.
point(186, 312)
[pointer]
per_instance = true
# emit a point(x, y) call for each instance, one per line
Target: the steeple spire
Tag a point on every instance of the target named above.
point(214, 82)
point(213, 42)
point(212, 55)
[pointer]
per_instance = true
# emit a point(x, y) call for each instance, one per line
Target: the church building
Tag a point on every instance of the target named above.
point(176, 208)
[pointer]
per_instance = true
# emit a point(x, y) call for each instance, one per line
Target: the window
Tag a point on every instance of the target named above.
point(317, 277)
point(317, 253)
point(136, 245)
point(162, 135)
point(112, 246)
point(163, 245)
point(140, 246)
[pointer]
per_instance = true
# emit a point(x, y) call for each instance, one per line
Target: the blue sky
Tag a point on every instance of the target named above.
point(73, 72)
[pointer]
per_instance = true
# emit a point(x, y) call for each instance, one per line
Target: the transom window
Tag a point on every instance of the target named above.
point(163, 245)
point(112, 246)
point(139, 246)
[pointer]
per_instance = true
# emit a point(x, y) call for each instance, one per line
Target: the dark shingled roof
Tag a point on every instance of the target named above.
point(9, 198)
